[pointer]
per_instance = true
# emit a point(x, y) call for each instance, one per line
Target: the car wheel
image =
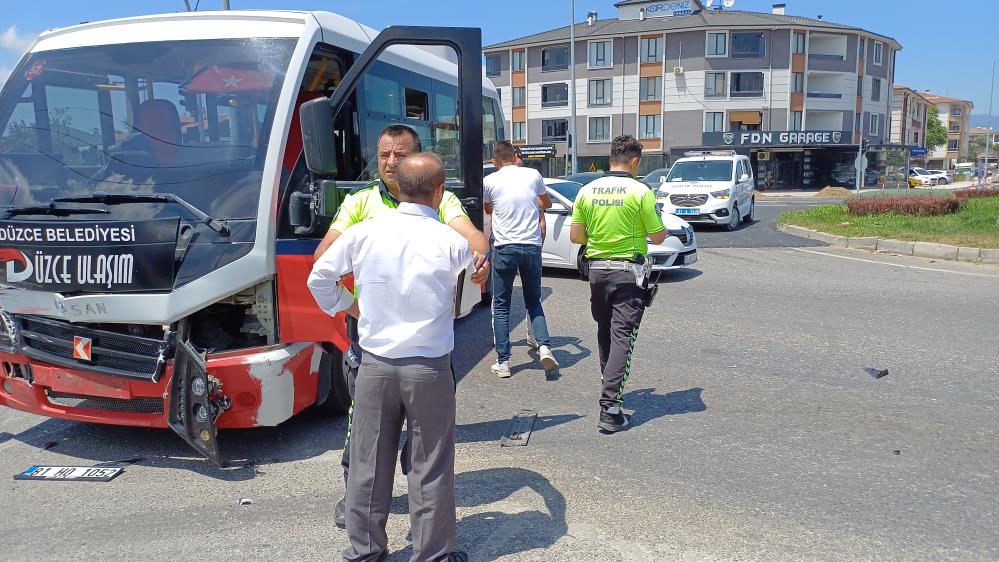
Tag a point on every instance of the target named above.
point(942, 181)
point(733, 219)
point(338, 397)
point(750, 217)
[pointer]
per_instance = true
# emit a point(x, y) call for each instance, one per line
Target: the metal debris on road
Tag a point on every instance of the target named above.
point(245, 501)
point(896, 452)
point(49, 444)
point(518, 433)
point(876, 373)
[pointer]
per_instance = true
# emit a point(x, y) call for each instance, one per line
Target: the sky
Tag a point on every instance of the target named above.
point(947, 47)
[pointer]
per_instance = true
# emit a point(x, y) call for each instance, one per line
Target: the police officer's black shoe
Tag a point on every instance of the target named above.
point(456, 556)
point(340, 513)
point(613, 420)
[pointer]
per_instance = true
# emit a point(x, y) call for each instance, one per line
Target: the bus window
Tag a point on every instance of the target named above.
point(417, 105)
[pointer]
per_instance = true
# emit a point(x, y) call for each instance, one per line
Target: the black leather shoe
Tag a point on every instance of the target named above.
point(456, 556)
point(613, 420)
point(340, 513)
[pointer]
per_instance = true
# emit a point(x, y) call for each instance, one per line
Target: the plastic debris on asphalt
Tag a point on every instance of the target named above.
point(518, 433)
point(876, 373)
point(245, 501)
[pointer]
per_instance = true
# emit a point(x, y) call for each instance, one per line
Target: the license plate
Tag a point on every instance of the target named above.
point(689, 258)
point(70, 473)
point(687, 211)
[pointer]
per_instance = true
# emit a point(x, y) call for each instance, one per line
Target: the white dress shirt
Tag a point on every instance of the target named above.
point(406, 268)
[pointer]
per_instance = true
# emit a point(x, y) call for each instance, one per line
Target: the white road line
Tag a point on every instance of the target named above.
point(895, 264)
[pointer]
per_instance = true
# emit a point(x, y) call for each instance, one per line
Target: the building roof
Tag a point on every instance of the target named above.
point(703, 19)
point(980, 131)
point(933, 98)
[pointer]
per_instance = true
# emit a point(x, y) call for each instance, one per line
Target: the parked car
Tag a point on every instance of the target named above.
point(715, 187)
point(929, 178)
point(583, 178)
point(678, 250)
point(949, 174)
point(655, 177)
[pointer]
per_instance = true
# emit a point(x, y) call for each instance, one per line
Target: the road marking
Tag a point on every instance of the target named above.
point(895, 264)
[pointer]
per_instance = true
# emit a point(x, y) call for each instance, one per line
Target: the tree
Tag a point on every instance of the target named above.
point(936, 133)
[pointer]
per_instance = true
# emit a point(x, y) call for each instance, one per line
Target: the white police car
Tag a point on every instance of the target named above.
point(712, 187)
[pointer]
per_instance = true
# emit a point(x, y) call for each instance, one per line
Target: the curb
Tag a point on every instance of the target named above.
point(901, 247)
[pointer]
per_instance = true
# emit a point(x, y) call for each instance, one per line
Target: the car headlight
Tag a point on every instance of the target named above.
point(723, 194)
point(662, 195)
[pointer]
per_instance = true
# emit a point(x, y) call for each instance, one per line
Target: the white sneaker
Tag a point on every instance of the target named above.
point(547, 359)
point(501, 370)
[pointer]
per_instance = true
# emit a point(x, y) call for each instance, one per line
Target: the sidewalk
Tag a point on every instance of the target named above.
point(815, 192)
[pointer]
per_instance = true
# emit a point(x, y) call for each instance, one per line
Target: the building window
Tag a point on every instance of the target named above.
point(953, 144)
point(554, 58)
point(648, 126)
point(520, 131)
point(798, 43)
point(955, 127)
point(599, 129)
point(956, 111)
point(600, 92)
point(860, 86)
point(518, 96)
point(856, 122)
point(796, 121)
point(650, 51)
point(554, 95)
point(797, 82)
point(492, 65)
point(748, 45)
point(875, 121)
point(714, 121)
point(860, 49)
point(875, 89)
point(915, 139)
point(517, 61)
point(747, 84)
point(714, 84)
point(650, 88)
point(717, 44)
point(553, 130)
point(878, 52)
point(600, 54)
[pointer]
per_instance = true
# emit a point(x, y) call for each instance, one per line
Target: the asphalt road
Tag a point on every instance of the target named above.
point(759, 436)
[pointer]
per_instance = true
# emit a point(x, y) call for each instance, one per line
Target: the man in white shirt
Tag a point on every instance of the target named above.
point(515, 197)
point(406, 267)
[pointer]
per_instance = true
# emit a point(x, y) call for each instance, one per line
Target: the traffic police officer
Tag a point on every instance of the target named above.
point(395, 143)
point(613, 215)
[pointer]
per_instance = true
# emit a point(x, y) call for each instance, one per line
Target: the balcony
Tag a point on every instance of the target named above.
point(824, 95)
point(823, 56)
point(828, 52)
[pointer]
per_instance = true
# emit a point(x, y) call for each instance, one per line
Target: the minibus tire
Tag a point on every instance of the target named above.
point(333, 365)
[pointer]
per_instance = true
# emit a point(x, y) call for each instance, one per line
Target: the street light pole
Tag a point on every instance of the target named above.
point(572, 88)
point(984, 181)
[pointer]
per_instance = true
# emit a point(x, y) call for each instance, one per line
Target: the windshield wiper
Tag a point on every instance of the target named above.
point(222, 227)
point(50, 209)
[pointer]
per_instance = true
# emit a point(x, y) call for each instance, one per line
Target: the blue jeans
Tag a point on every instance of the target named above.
point(508, 259)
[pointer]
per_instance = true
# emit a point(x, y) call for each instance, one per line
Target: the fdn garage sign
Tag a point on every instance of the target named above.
point(777, 138)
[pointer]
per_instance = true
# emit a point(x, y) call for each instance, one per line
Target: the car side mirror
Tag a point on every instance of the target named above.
point(318, 138)
point(558, 209)
point(744, 177)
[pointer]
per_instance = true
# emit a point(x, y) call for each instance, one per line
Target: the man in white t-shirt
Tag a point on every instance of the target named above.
point(515, 196)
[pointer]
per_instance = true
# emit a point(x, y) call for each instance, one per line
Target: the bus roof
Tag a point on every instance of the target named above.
point(240, 24)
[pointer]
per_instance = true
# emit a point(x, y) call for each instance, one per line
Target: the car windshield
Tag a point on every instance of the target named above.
point(584, 177)
point(657, 176)
point(191, 118)
point(701, 170)
point(567, 189)
point(921, 171)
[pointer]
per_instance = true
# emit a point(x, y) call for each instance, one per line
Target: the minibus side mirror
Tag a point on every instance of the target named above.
point(319, 141)
point(322, 200)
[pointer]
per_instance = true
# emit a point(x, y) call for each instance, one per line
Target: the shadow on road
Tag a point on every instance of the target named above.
point(650, 406)
point(493, 430)
point(497, 533)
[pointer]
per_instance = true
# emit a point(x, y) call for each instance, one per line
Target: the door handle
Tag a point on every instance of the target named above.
point(472, 202)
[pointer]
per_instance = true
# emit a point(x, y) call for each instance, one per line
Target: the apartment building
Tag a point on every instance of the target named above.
point(953, 114)
point(908, 120)
point(797, 94)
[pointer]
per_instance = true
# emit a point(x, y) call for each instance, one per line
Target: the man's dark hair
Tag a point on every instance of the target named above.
point(624, 148)
point(419, 175)
point(396, 131)
point(503, 151)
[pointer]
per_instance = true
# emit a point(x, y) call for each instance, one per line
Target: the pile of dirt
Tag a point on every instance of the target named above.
point(830, 191)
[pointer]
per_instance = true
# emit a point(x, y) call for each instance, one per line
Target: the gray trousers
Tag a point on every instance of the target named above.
point(420, 391)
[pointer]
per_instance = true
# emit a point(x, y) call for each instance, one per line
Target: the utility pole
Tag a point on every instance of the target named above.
point(988, 134)
point(225, 4)
point(572, 88)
